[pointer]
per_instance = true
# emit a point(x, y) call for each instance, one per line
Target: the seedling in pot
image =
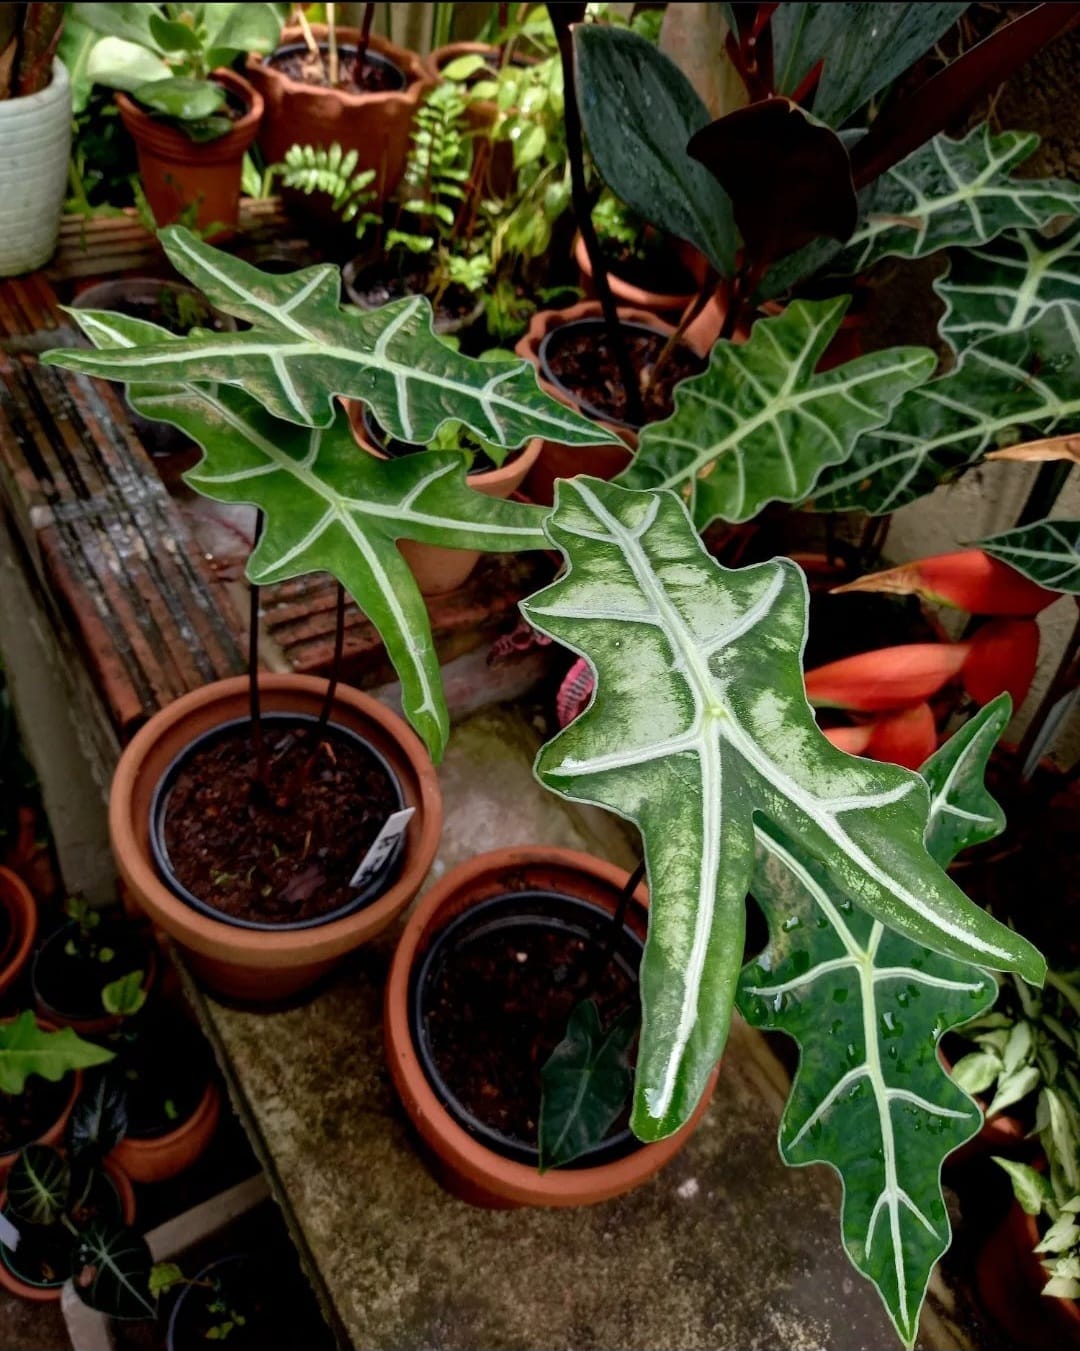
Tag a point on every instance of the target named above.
point(97, 964)
point(225, 1316)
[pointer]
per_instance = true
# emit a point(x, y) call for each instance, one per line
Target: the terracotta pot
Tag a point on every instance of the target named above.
point(556, 460)
point(376, 126)
point(663, 304)
point(50, 1294)
point(55, 1132)
point(461, 1162)
point(1010, 1279)
point(158, 1158)
point(22, 922)
point(176, 171)
point(439, 570)
point(256, 965)
point(703, 332)
point(100, 1023)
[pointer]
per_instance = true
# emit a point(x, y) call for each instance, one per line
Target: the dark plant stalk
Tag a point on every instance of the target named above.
point(365, 39)
point(691, 312)
point(1045, 491)
point(335, 664)
point(579, 192)
point(606, 950)
point(258, 741)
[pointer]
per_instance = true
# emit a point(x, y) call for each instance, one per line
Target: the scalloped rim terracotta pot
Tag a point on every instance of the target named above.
point(175, 170)
point(50, 1294)
point(438, 570)
point(18, 900)
point(375, 125)
point(467, 1168)
point(660, 303)
point(254, 965)
point(160, 1157)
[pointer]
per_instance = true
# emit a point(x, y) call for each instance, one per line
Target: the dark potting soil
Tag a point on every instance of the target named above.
point(373, 77)
point(380, 283)
point(659, 271)
point(26, 1116)
point(165, 1074)
point(580, 356)
point(498, 1005)
point(70, 972)
point(287, 854)
point(481, 462)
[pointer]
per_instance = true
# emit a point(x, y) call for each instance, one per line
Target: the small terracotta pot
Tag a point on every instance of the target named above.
point(103, 1022)
point(255, 965)
point(176, 171)
point(704, 331)
point(1010, 1280)
point(158, 1158)
point(439, 570)
point(50, 1294)
point(464, 1165)
point(664, 305)
point(55, 1132)
point(376, 126)
point(22, 918)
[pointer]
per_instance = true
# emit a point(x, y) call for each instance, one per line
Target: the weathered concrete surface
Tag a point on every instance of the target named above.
point(728, 1248)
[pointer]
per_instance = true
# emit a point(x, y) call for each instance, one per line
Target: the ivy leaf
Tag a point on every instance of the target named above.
point(871, 1098)
point(329, 506)
point(27, 1049)
point(303, 349)
point(946, 194)
point(1048, 552)
point(998, 386)
point(38, 1185)
point(1007, 284)
point(759, 426)
point(585, 1084)
point(112, 1271)
point(704, 732)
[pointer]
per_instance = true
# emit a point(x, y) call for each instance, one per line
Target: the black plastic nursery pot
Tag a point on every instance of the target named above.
point(67, 982)
point(480, 917)
point(368, 285)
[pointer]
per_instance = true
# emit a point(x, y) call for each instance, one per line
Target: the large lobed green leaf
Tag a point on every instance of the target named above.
point(999, 386)
point(303, 349)
point(1007, 284)
point(703, 733)
point(947, 193)
point(639, 111)
point(1046, 551)
point(759, 426)
point(26, 1048)
point(329, 506)
point(867, 1007)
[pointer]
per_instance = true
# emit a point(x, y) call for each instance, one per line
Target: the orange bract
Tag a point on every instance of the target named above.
point(968, 580)
point(889, 678)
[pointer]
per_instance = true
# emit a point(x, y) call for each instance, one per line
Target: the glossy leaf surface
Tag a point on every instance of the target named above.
point(112, 1272)
point(38, 1185)
point(1046, 551)
point(585, 1083)
point(329, 506)
point(705, 732)
point(303, 349)
point(759, 426)
point(871, 1098)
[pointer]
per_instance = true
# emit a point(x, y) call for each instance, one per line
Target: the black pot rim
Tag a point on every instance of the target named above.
point(371, 58)
point(444, 326)
point(185, 1292)
point(615, 1146)
point(65, 1015)
point(159, 802)
point(544, 362)
point(384, 444)
point(133, 285)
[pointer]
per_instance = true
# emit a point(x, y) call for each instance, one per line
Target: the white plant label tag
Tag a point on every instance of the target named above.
point(382, 847)
point(9, 1235)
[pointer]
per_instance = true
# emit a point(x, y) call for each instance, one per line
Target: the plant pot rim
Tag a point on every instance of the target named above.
point(517, 463)
point(48, 1294)
point(445, 327)
point(372, 55)
point(129, 284)
point(57, 88)
point(253, 947)
point(89, 1025)
point(411, 66)
point(363, 897)
point(19, 901)
point(518, 1183)
point(55, 1130)
point(625, 292)
point(171, 143)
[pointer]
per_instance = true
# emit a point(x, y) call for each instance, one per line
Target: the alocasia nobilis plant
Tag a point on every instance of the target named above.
point(699, 729)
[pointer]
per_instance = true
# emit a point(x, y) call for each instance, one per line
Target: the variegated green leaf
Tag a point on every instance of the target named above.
point(703, 732)
point(1046, 551)
point(303, 349)
point(1000, 387)
point(871, 1098)
point(759, 425)
point(329, 506)
point(1007, 284)
point(947, 193)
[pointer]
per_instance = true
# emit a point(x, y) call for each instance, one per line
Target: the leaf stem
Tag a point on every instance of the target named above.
point(335, 664)
point(254, 699)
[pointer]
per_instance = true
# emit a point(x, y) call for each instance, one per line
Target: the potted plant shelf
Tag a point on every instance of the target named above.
point(264, 913)
point(18, 927)
point(488, 970)
point(369, 111)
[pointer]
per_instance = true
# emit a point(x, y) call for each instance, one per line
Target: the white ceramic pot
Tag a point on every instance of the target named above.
point(35, 141)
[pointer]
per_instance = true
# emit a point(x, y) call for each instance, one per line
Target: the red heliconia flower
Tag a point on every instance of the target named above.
point(1002, 656)
point(906, 738)
point(854, 740)
point(968, 580)
point(888, 678)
